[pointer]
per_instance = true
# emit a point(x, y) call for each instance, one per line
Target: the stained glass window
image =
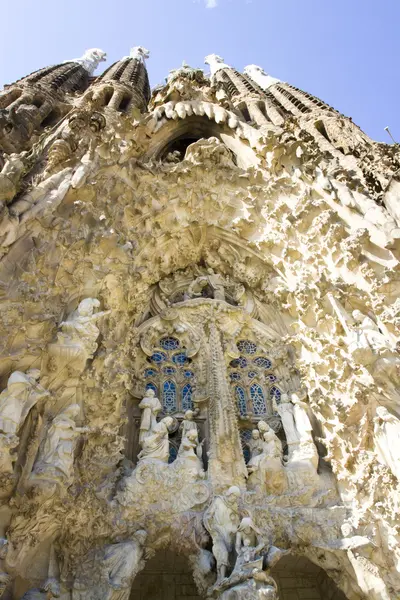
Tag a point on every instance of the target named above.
point(189, 374)
point(275, 392)
point(150, 372)
point(158, 357)
point(245, 435)
point(169, 343)
point(180, 359)
point(271, 377)
point(151, 386)
point(262, 362)
point(252, 374)
point(242, 362)
point(169, 370)
point(247, 347)
point(258, 400)
point(169, 396)
point(241, 400)
point(234, 363)
point(235, 376)
point(187, 403)
point(173, 453)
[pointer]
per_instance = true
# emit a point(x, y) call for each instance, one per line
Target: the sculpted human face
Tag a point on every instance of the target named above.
point(255, 434)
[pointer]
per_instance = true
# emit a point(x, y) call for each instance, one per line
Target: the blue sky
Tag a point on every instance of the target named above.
point(346, 52)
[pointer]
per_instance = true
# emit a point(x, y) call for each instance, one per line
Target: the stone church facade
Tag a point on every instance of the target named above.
point(199, 364)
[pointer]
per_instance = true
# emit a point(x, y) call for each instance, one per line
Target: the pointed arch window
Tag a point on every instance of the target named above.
point(186, 400)
point(169, 396)
point(258, 399)
point(241, 400)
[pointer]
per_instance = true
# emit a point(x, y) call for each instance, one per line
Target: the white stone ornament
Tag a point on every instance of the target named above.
point(139, 53)
point(387, 439)
point(216, 63)
point(155, 444)
point(151, 406)
point(258, 75)
point(90, 59)
point(22, 393)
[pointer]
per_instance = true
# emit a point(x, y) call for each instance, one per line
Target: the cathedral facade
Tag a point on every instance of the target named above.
point(199, 364)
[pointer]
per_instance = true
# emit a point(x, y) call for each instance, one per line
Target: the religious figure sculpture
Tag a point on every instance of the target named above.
point(188, 424)
point(55, 462)
point(387, 439)
point(110, 575)
point(221, 521)
point(76, 342)
point(266, 471)
point(216, 282)
point(255, 445)
point(155, 445)
point(285, 409)
point(22, 393)
point(151, 406)
point(187, 457)
point(301, 419)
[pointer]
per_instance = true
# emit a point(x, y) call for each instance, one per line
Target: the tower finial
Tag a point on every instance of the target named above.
point(216, 63)
point(258, 75)
point(90, 59)
point(139, 52)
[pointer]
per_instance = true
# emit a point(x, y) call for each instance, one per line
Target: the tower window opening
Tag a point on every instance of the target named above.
point(123, 105)
point(245, 112)
point(51, 119)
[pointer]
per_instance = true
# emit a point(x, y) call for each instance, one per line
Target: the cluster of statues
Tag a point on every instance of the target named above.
point(154, 437)
point(215, 286)
point(235, 536)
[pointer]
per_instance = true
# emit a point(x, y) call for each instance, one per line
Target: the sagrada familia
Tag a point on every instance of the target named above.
point(199, 361)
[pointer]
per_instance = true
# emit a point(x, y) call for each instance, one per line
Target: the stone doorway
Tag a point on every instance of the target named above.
point(300, 579)
point(165, 577)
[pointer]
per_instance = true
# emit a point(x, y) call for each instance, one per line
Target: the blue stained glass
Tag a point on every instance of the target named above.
point(275, 392)
point(187, 403)
point(169, 370)
point(258, 400)
point(158, 357)
point(245, 435)
point(252, 374)
point(173, 453)
point(169, 343)
point(247, 347)
point(262, 362)
point(150, 372)
point(189, 374)
point(235, 376)
point(242, 362)
point(241, 400)
point(180, 359)
point(234, 363)
point(151, 386)
point(169, 396)
point(271, 377)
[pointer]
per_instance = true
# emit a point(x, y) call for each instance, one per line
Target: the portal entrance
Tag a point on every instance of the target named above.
point(165, 577)
point(300, 579)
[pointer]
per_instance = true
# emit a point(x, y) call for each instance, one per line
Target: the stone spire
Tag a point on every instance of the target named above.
point(216, 63)
point(40, 100)
point(258, 75)
point(124, 85)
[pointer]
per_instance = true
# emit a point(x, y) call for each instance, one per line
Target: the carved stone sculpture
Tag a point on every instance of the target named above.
point(221, 521)
point(155, 445)
point(301, 419)
point(188, 424)
point(285, 409)
point(55, 463)
point(387, 439)
point(109, 575)
point(188, 458)
point(266, 471)
point(151, 406)
point(22, 393)
point(76, 342)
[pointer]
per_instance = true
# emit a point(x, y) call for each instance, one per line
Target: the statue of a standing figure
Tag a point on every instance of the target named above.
point(109, 574)
point(285, 409)
point(222, 521)
point(56, 459)
point(266, 471)
point(155, 445)
point(387, 439)
point(188, 458)
point(189, 424)
point(302, 421)
point(22, 393)
point(151, 406)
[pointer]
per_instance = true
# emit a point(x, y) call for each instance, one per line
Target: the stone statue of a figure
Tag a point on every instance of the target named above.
point(286, 412)
point(255, 445)
point(216, 282)
point(151, 406)
point(109, 575)
point(76, 342)
point(155, 445)
point(222, 521)
point(266, 471)
point(301, 419)
point(189, 424)
point(22, 393)
point(188, 458)
point(387, 439)
point(56, 458)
